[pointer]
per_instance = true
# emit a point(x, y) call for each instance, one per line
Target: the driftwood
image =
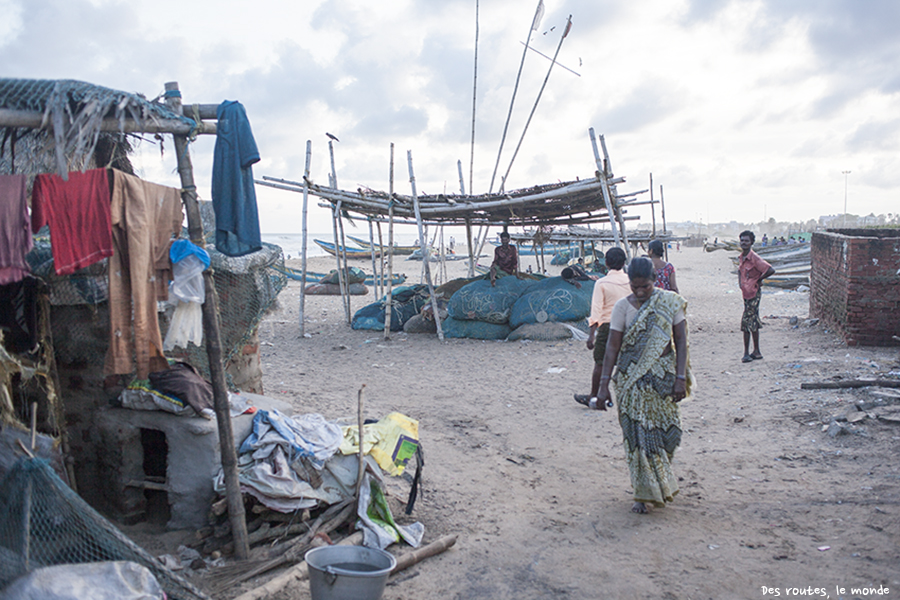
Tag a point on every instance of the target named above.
point(419, 554)
point(850, 383)
point(325, 524)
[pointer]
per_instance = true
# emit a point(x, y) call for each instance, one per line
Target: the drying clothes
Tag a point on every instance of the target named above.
point(15, 239)
point(19, 315)
point(79, 216)
point(233, 191)
point(144, 218)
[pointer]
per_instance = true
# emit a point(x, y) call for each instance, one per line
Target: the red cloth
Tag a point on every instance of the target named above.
point(79, 216)
point(15, 239)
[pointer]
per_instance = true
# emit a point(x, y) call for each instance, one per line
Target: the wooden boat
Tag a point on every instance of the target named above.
point(351, 252)
point(398, 250)
point(312, 277)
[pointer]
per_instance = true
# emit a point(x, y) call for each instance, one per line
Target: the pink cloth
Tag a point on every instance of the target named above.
point(607, 291)
point(751, 267)
point(78, 213)
point(144, 217)
point(15, 239)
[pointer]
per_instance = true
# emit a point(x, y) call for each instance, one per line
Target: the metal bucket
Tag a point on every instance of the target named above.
point(348, 572)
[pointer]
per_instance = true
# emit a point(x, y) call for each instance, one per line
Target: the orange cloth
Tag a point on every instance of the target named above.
point(144, 218)
point(607, 291)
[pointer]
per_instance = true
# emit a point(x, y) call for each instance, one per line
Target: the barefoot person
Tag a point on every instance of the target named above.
point(607, 291)
point(651, 379)
point(506, 259)
point(751, 271)
point(665, 271)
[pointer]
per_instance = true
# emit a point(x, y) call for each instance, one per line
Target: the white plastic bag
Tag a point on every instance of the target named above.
point(187, 285)
point(188, 293)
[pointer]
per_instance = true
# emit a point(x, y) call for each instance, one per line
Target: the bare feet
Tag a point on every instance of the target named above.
point(639, 508)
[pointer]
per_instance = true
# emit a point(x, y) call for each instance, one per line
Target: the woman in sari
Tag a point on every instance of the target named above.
point(652, 377)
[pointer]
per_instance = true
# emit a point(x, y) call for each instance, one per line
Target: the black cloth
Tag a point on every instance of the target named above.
point(185, 383)
point(19, 315)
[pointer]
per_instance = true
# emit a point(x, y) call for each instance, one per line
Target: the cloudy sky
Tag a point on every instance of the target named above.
point(741, 109)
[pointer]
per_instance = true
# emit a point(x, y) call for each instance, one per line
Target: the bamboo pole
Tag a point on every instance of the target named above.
point(662, 208)
point(474, 96)
point(340, 249)
point(304, 238)
point(210, 310)
point(388, 301)
point(379, 289)
point(652, 207)
point(362, 452)
point(335, 211)
point(535, 21)
point(27, 119)
point(601, 176)
point(425, 252)
point(536, 101)
point(615, 201)
point(372, 246)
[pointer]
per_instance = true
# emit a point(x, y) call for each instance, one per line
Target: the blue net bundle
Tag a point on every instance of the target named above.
point(44, 523)
point(406, 302)
point(553, 299)
point(480, 301)
point(476, 330)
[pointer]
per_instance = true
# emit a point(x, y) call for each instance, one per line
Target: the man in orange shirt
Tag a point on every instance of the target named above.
point(607, 291)
point(751, 271)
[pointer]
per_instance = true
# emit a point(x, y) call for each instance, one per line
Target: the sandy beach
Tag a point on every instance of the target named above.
point(537, 488)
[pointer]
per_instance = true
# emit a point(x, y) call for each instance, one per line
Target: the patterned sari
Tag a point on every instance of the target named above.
point(650, 421)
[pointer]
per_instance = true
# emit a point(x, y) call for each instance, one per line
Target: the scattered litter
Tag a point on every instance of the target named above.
point(712, 546)
point(823, 548)
point(556, 369)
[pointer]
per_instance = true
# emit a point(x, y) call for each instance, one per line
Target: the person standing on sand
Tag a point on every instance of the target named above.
point(607, 291)
point(506, 259)
point(751, 271)
point(651, 379)
point(665, 271)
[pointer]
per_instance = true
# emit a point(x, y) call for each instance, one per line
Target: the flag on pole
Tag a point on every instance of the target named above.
point(538, 15)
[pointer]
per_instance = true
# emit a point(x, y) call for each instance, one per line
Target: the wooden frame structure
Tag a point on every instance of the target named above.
point(133, 114)
point(572, 203)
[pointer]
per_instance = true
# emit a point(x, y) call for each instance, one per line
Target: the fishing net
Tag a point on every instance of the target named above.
point(76, 110)
point(406, 302)
point(480, 301)
point(552, 299)
point(477, 330)
point(246, 285)
point(44, 523)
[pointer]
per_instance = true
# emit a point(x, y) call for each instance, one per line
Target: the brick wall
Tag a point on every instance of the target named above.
point(855, 284)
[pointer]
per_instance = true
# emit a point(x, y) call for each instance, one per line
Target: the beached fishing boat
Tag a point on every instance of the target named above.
point(311, 277)
point(401, 250)
point(351, 252)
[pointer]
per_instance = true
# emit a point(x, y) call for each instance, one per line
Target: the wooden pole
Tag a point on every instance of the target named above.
point(336, 211)
point(341, 249)
point(425, 251)
point(604, 187)
point(210, 310)
point(662, 208)
point(538, 13)
point(388, 306)
point(536, 101)
point(372, 246)
point(474, 95)
point(469, 248)
point(304, 239)
point(379, 289)
point(362, 452)
point(612, 192)
point(652, 207)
